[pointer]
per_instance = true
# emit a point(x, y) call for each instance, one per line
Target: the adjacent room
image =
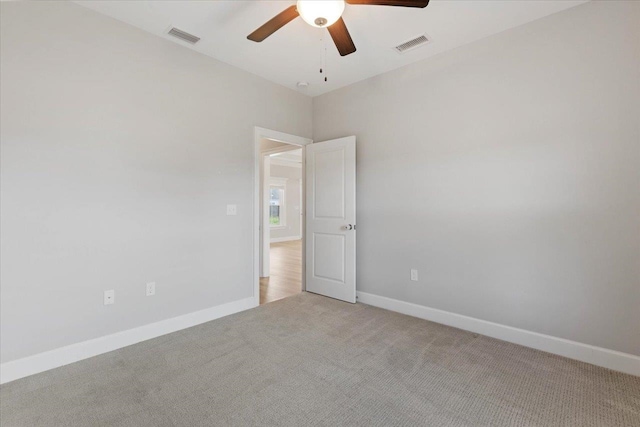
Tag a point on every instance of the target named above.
point(281, 273)
point(320, 213)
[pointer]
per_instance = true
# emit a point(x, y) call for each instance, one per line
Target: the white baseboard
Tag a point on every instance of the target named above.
point(284, 239)
point(610, 359)
point(615, 360)
point(41, 362)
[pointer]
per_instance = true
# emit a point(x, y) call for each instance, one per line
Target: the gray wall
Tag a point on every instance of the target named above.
point(508, 173)
point(292, 202)
point(120, 151)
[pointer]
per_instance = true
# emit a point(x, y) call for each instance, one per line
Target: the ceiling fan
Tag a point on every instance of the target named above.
point(325, 14)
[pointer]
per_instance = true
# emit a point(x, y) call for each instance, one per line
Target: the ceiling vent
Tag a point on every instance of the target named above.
point(412, 44)
point(189, 38)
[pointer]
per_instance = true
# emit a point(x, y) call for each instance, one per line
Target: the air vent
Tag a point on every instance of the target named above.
point(189, 38)
point(412, 44)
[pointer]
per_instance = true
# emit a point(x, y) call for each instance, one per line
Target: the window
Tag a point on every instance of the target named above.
point(277, 207)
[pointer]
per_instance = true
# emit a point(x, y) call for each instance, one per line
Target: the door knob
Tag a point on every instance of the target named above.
point(350, 227)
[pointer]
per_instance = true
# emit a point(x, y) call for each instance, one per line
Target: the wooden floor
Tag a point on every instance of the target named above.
point(286, 272)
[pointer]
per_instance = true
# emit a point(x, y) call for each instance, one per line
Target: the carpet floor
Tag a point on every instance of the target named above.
point(309, 360)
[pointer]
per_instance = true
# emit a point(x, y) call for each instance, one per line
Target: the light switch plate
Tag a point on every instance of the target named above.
point(414, 274)
point(232, 209)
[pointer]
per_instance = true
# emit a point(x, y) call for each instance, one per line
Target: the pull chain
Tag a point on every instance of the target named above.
point(325, 60)
point(323, 57)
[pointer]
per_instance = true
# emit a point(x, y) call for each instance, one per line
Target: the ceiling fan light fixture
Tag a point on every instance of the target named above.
point(320, 13)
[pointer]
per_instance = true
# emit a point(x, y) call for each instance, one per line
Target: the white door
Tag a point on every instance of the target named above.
point(331, 218)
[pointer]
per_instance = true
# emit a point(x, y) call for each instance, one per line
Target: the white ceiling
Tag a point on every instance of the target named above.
point(294, 53)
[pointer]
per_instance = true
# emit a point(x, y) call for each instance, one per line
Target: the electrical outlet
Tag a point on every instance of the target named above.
point(151, 289)
point(414, 274)
point(232, 210)
point(109, 297)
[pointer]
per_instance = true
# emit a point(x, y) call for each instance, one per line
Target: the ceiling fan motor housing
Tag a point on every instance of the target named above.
point(325, 14)
point(320, 13)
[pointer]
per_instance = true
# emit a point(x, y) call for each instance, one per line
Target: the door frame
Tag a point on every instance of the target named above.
point(259, 134)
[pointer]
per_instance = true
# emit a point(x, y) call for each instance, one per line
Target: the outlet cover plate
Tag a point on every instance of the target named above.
point(151, 289)
point(109, 297)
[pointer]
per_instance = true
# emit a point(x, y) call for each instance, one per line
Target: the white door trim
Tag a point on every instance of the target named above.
point(260, 133)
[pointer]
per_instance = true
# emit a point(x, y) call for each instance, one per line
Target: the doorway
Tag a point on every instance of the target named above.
point(279, 216)
point(282, 275)
point(327, 252)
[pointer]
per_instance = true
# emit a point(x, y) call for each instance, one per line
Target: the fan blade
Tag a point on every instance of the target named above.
point(342, 38)
point(274, 24)
point(403, 3)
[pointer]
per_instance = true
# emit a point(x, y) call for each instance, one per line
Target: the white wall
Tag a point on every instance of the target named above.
point(508, 173)
point(120, 151)
point(292, 202)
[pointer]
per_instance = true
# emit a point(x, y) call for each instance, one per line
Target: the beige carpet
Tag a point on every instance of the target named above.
point(309, 360)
